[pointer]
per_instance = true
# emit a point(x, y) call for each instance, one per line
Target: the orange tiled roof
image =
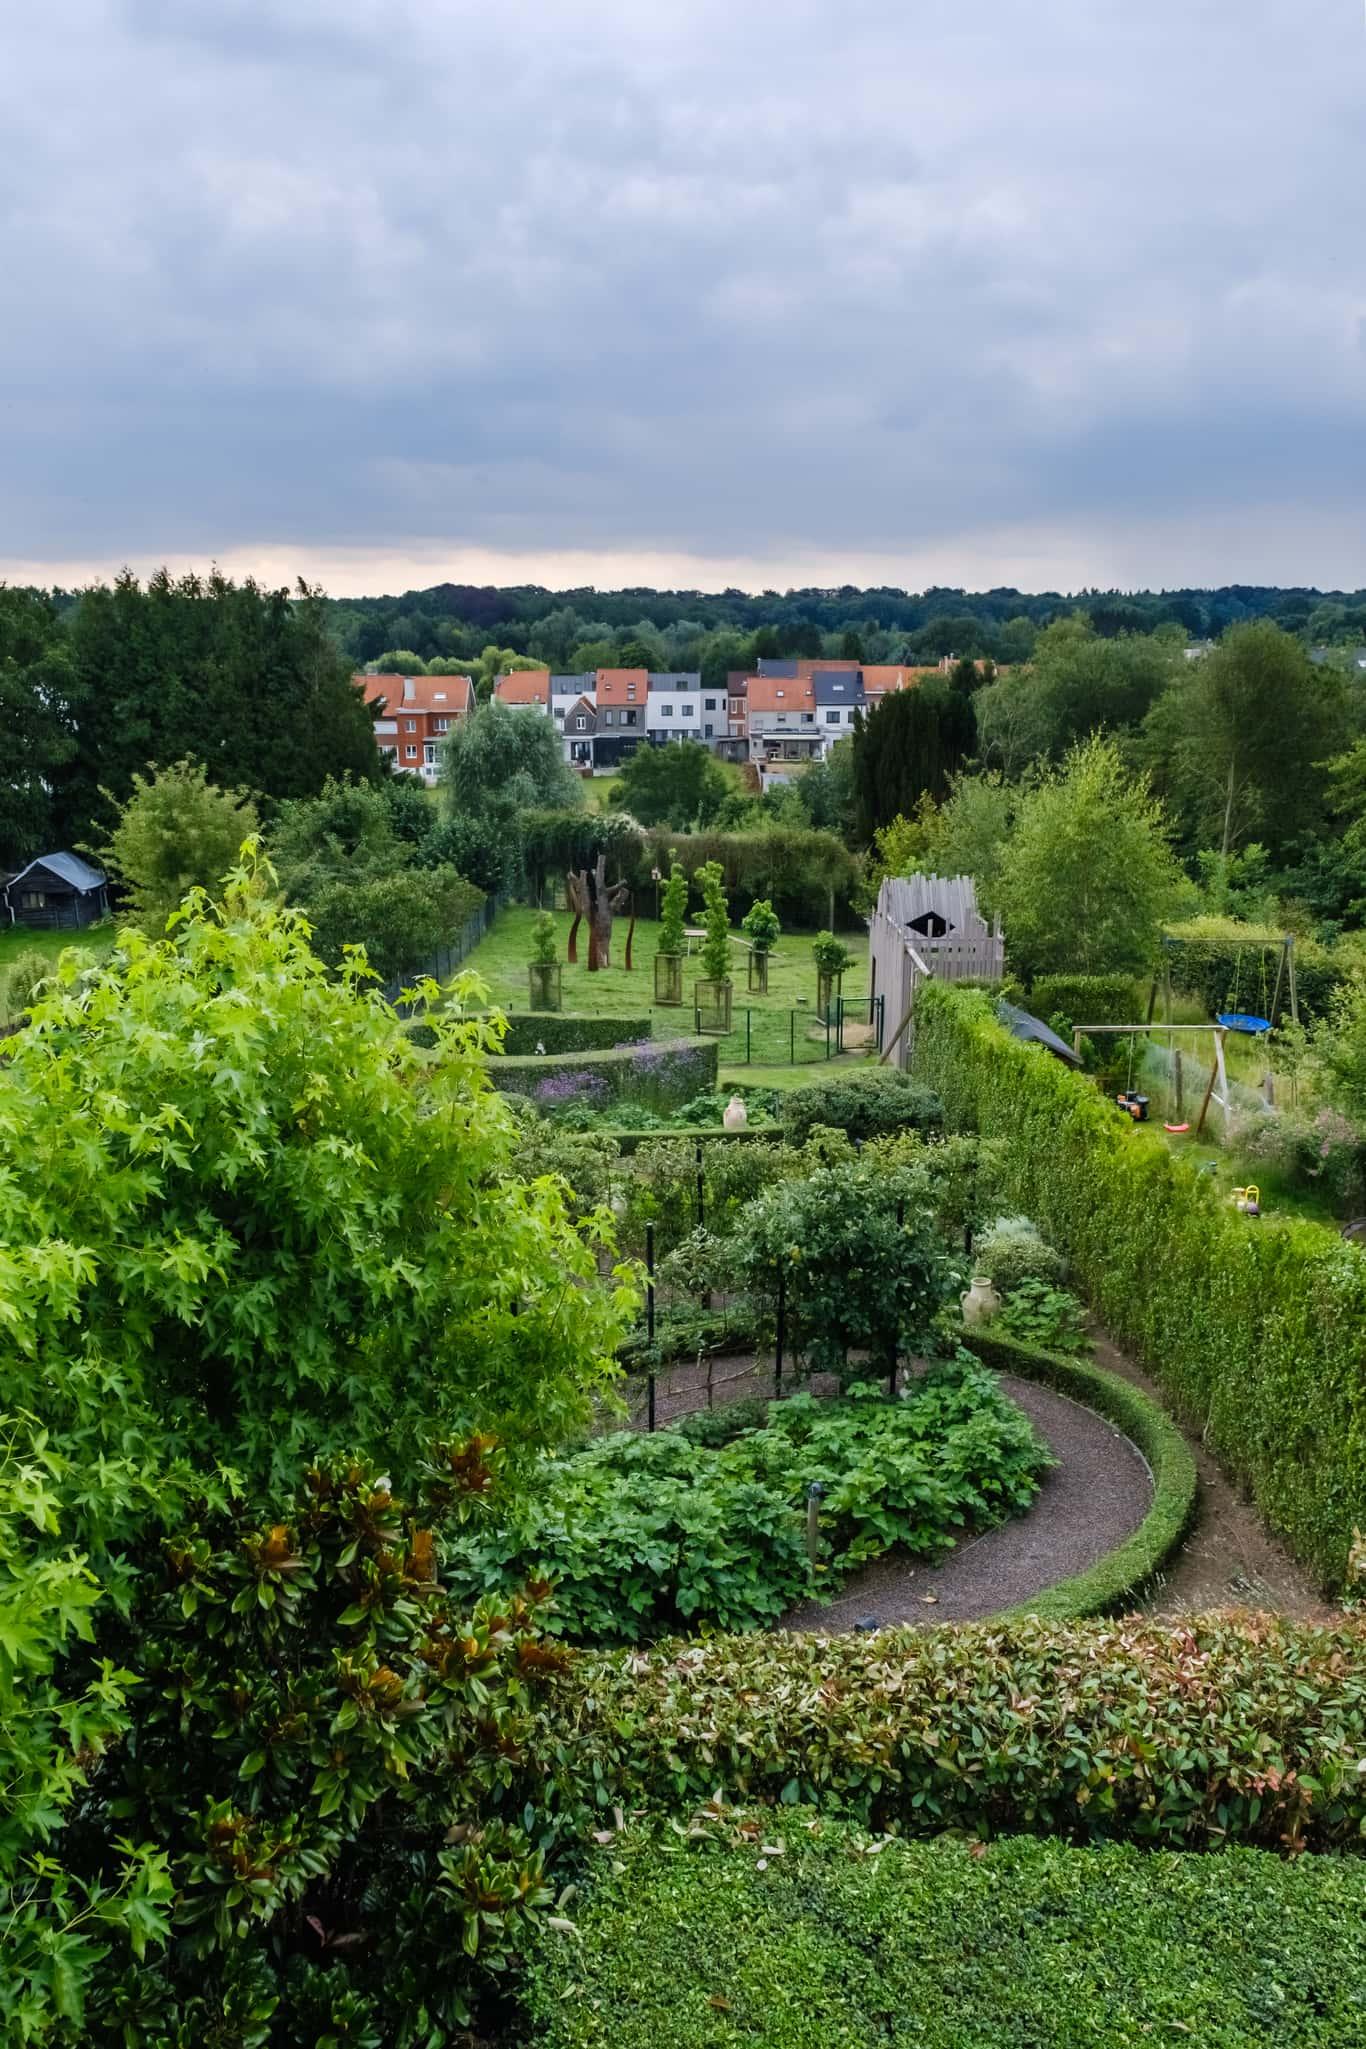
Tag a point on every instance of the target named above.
point(879, 677)
point(780, 693)
point(613, 686)
point(524, 686)
point(447, 695)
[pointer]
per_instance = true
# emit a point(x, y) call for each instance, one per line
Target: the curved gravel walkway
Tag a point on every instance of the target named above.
point(1093, 1499)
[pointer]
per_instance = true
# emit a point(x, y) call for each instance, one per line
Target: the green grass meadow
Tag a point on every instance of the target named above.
point(782, 1036)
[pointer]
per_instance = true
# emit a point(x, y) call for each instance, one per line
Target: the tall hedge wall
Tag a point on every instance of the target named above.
point(560, 1033)
point(1256, 1330)
point(663, 1073)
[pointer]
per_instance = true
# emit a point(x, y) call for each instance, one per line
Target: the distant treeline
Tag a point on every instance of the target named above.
point(714, 632)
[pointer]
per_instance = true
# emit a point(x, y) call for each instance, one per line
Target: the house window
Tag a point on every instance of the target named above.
point(666, 711)
point(581, 724)
point(410, 752)
point(779, 693)
point(631, 690)
point(610, 717)
point(711, 704)
point(410, 725)
point(808, 718)
point(707, 734)
point(429, 753)
point(33, 900)
point(559, 711)
point(628, 718)
point(443, 725)
point(832, 718)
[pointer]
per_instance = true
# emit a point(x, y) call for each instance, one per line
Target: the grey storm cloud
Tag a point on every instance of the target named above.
point(743, 278)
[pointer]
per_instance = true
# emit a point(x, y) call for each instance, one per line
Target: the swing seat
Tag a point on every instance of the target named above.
point(1243, 1021)
point(1176, 1129)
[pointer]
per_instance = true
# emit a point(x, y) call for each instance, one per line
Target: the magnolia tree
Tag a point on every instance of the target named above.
point(276, 1307)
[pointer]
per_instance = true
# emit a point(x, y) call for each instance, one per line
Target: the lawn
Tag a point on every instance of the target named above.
point(96, 941)
point(780, 1031)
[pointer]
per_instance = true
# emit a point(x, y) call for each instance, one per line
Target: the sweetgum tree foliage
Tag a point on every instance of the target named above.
point(248, 1227)
point(680, 785)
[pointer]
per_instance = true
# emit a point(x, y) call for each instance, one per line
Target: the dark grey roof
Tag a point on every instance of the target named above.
point(838, 686)
point(767, 667)
point(1023, 1026)
point(675, 679)
point(70, 867)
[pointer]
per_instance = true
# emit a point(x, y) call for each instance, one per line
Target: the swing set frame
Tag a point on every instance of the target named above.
point(1284, 948)
point(1218, 1071)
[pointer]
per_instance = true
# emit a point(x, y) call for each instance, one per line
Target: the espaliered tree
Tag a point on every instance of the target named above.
point(716, 920)
point(591, 899)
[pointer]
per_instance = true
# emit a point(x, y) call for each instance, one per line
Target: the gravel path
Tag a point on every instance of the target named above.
point(1091, 1501)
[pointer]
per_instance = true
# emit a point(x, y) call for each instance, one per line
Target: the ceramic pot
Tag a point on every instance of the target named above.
point(981, 1301)
point(735, 1116)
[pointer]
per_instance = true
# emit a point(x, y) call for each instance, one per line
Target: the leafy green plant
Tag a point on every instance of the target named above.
point(1040, 1315)
point(1011, 1251)
point(25, 976)
point(642, 1536)
point(716, 921)
point(864, 1105)
point(858, 1256)
point(831, 955)
point(249, 1225)
point(543, 951)
point(761, 926)
point(673, 916)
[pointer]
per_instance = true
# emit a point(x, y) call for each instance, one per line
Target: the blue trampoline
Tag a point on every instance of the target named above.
point(1243, 1021)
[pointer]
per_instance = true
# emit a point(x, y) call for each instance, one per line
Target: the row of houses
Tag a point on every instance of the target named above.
point(778, 716)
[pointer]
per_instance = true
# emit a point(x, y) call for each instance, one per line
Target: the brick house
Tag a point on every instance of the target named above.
point(622, 697)
point(414, 715)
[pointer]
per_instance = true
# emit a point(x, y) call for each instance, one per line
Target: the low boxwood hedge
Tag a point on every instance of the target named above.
point(1189, 1734)
point(796, 1935)
point(663, 1073)
point(560, 1033)
point(1252, 1329)
point(1115, 1579)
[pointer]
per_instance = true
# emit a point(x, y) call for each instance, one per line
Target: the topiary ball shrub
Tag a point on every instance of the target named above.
point(868, 1105)
point(1012, 1251)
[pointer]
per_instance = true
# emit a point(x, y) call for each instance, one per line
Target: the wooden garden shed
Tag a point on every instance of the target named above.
point(57, 892)
point(927, 925)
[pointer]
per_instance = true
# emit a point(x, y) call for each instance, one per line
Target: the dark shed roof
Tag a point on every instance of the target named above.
point(68, 868)
point(1023, 1026)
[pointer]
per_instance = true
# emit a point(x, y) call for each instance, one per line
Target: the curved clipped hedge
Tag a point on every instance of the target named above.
point(1255, 1330)
point(663, 1073)
point(560, 1033)
point(1196, 1733)
point(1116, 1578)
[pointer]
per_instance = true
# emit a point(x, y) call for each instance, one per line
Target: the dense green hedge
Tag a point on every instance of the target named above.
point(1113, 1580)
point(665, 1074)
point(1256, 1330)
point(804, 1936)
point(1187, 1734)
point(1086, 999)
point(867, 1104)
point(559, 1033)
point(1233, 967)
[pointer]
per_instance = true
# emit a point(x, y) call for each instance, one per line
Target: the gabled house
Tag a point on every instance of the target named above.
point(780, 713)
point(623, 697)
point(57, 892)
point(580, 732)
point(839, 694)
point(414, 715)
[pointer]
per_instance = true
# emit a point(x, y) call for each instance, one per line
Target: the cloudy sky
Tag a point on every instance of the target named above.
point(686, 291)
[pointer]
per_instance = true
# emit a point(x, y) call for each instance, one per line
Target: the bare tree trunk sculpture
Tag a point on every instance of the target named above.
point(592, 900)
